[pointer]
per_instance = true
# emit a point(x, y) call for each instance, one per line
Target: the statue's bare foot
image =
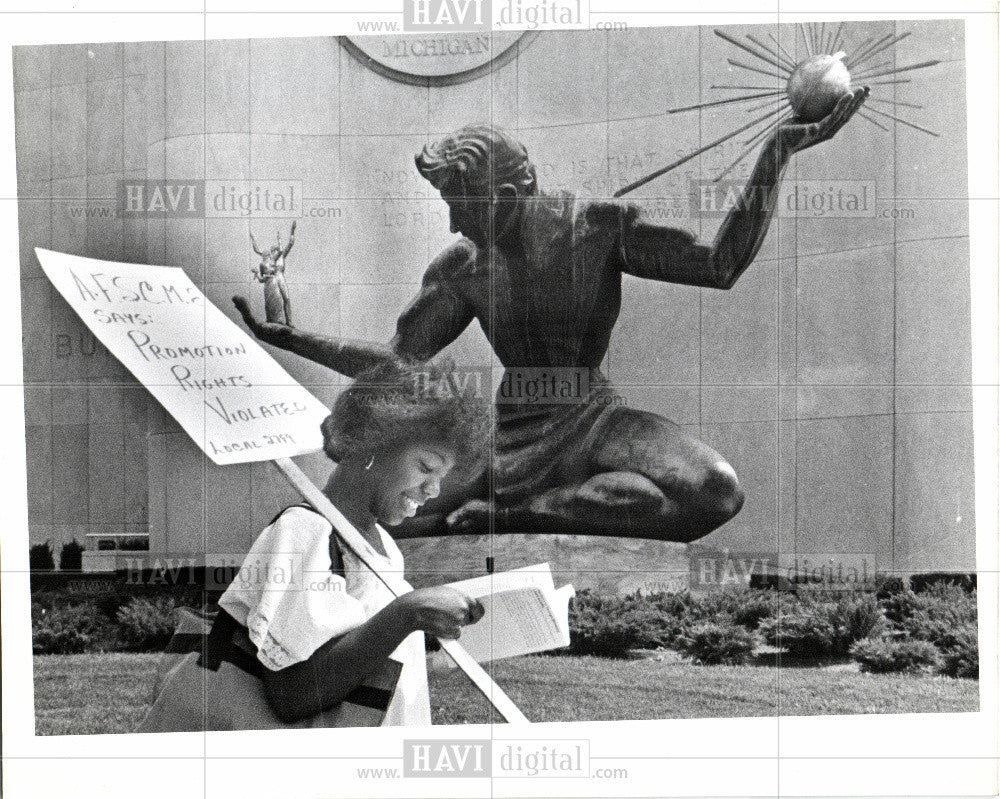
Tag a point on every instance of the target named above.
point(472, 517)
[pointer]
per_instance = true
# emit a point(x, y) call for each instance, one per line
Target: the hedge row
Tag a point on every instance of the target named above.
point(68, 622)
point(894, 630)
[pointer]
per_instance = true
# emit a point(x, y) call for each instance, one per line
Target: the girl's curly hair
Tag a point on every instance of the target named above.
point(398, 403)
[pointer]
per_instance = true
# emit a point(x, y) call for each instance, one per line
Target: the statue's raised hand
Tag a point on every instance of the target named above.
point(349, 358)
point(795, 136)
point(273, 333)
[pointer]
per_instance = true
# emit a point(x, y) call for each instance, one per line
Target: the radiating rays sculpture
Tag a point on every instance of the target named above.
point(810, 90)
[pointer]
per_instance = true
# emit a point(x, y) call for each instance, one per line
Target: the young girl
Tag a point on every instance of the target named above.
point(306, 623)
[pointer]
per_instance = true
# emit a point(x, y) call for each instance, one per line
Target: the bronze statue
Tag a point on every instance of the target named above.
point(541, 273)
point(271, 272)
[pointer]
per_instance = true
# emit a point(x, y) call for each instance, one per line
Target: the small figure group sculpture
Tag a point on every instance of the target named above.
point(271, 272)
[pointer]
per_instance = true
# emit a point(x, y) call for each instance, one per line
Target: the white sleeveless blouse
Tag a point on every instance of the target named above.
point(292, 603)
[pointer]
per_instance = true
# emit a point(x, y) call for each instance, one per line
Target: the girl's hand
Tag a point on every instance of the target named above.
point(440, 611)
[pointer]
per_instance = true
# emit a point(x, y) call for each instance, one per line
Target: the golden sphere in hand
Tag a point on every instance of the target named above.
point(816, 85)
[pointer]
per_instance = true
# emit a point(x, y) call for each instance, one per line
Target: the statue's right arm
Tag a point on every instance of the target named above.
point(434, 318)
point(439, 313)
point(346, 356)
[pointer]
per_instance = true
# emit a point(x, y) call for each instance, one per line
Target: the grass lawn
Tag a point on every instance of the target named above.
point(91, 694)
point(109, 693)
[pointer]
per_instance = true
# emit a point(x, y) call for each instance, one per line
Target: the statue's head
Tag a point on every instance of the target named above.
point(481, 173)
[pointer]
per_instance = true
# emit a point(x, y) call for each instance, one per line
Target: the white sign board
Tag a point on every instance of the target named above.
point(229, 395)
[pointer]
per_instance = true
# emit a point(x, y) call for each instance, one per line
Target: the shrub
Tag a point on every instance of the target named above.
point(854, 618)
point(889, 585)
point(818, 628)
point(609, 626)
point(40, 558)
point(754, 607)
point(928, 581)
point(804, 633)
point(682, 610)
point(810, 624)
point(899, 607)
point(960, 653)
point(652, 630)
point(718, 643)
point(940, 602)
point(106, 596)
point(882, 655)
point(677, 612)
point(71, 556)
point(745, 606)
point(945, 615)
point(935, 615)
point(135, 543)
point(66, 630)
point(145, 624)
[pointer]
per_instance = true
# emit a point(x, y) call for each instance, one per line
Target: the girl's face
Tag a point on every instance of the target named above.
point(405, 478)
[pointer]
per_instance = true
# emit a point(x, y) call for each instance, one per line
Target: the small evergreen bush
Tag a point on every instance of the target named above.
point(928, 614)
point(610, 626)
point(40, 558)
point(820, 628)
point(804, 633)
point(854, 618)
point(145, 624)
point(677, 611)
point(755, 606)
point(884, 655)
point(71, 556)
point(945, 615)
point(960, 653)
point(683, 610)
point(711, 643)
point(66, 630)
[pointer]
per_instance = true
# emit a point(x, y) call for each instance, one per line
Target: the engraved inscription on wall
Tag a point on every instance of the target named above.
point(435, 55)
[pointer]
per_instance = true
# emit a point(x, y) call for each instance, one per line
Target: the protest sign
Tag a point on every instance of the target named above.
point(230, 396)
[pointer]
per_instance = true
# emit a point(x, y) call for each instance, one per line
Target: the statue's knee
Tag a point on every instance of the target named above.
point(722, 496)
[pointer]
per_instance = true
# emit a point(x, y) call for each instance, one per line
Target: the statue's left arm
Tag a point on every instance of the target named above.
point(675, 256)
